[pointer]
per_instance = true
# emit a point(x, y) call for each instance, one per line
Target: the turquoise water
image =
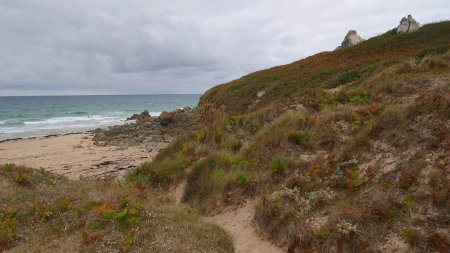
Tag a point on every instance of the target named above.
point(24, 117)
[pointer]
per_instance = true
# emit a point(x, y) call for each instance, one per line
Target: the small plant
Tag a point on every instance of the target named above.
point(353, 179)
point(346, 228)
point(218, 174)
point(360, 98)
point(128, 218)
point(322, 234)
point(236, 120)
point(62, 205)
point(407, 205)
point(289, 193)
point(88, 237)
point(109, 215)
point(242, 178)
point(8, 224)
point(94, 226)
point(22, 179)
point(409, 234)
point(276, 165)
point(47, 215)
point(48, 180)
point(305, 202)
point(79, 210)
point(300, 138)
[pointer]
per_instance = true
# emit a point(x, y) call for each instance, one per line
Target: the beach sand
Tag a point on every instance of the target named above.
point(75, 156)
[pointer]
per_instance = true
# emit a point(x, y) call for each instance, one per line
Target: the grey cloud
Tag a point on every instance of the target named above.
point(140, 46)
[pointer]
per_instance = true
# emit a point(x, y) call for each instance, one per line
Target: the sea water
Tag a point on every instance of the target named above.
point(36, 116)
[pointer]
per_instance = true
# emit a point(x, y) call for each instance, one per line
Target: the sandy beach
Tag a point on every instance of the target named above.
point(75, 156)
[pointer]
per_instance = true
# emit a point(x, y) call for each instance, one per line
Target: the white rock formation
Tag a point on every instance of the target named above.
point(407, 25)
point(352, 38)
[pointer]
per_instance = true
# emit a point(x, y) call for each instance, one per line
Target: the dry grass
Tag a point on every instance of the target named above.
point(50, 213)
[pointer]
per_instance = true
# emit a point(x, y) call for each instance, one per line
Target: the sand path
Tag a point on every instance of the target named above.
point(75, 156)
point(238, 222)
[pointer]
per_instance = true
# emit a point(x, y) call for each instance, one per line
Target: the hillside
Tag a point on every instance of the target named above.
point(344, 151)
point(328, 69)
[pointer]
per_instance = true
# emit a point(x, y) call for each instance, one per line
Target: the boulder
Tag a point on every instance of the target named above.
point(352, 38)
point(165, 118)
point(145, 113)
point(143, 116)
point(408, 24)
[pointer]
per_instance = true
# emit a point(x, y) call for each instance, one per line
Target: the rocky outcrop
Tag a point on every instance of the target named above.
point(352, 38)
point(408, 24)
point(142, 116)
point(147, 130)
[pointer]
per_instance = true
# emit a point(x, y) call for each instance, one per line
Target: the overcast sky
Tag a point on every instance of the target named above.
point(52, 47)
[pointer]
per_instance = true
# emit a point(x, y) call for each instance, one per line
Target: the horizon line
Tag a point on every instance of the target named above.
point(80, 95)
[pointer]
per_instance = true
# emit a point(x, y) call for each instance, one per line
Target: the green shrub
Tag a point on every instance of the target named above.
point(160, 173)
point(276, 165)
point(300, 138)
point(347, 77)
point(242, 178)
point(109, 215)
point(431, 51)
point(407, 205)
point(354, 179)
point(206, 183)
point(409, 234)
point(22, 179)
point(128, 218)
point(8, 224)
point(360, 98)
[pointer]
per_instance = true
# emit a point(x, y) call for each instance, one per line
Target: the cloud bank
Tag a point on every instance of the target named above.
point(151, 46)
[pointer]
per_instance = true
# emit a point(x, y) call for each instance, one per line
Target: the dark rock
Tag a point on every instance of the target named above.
point(165, 118)
point(145, 113)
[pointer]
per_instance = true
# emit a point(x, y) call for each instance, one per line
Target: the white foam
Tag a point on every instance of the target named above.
point(62, 125)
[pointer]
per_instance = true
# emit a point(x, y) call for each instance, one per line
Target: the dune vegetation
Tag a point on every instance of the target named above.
point(43, 212)
point(344, 151)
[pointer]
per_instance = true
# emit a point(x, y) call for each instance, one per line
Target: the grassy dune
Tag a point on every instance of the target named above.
point(42, 212)
point(346, 150)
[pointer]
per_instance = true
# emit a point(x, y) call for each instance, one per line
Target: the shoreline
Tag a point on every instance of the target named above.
point(42, 137)
point(101, 152)
point(75, 155)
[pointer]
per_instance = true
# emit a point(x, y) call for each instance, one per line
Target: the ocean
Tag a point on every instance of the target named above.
point(37, 116)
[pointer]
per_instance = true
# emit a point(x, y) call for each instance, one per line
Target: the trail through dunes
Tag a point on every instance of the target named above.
point(238, 222)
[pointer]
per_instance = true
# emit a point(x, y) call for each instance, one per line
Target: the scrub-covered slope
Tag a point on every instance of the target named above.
point(328, 69)
point(344, 151)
